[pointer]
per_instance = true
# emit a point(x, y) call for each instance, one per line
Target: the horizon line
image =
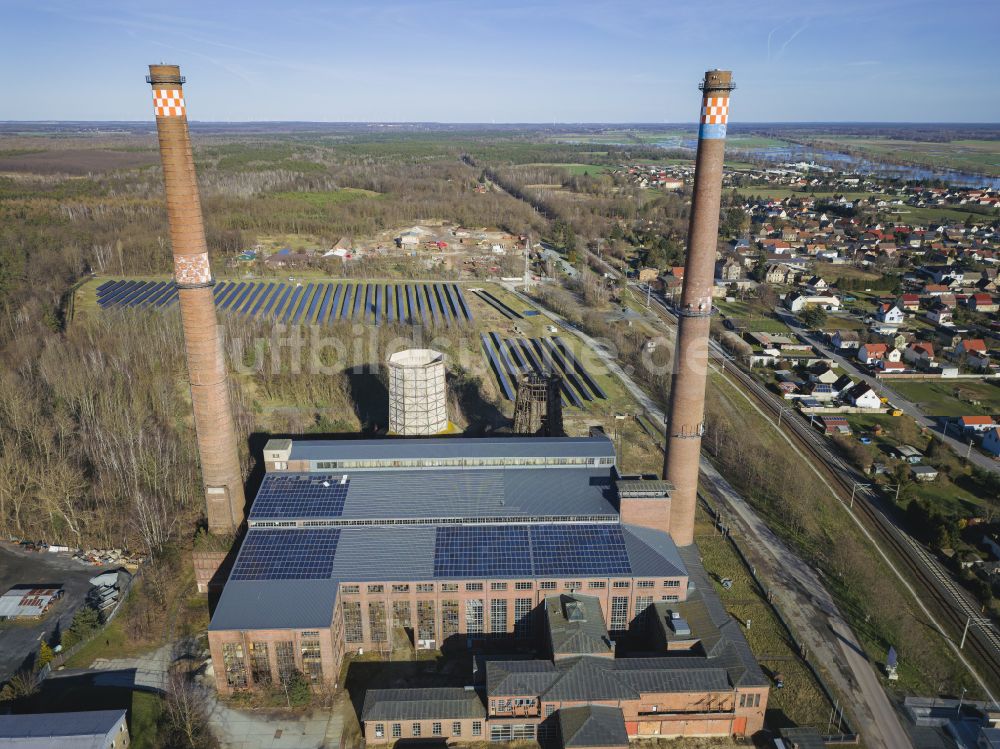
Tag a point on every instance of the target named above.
point(554, 123)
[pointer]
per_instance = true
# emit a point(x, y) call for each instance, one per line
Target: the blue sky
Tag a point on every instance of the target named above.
point(506, 60)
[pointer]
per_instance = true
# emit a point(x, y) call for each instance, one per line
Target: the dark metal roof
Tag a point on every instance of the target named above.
point(453, 493)
point(592, 725)
point(79, 730)
point(588, 678)
point(422, 704)
point(732, 648)
point(576, 625)
point(654, 488)
point(453, 447)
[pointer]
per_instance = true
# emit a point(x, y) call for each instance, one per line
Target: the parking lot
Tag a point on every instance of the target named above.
point(19, 639)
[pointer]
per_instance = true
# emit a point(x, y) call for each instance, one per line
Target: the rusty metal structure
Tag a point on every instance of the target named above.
point(686, 414)
point(213, 418)
point(538, 407)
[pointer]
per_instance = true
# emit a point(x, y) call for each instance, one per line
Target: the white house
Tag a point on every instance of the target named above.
point(846, 339)
point(797, 302)
point(890, 314)
point(862, 396)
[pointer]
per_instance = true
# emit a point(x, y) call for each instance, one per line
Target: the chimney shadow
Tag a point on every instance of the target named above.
point(370, 397)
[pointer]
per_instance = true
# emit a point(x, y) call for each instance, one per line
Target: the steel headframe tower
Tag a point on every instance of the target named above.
point(687, 395)
point(213, 416)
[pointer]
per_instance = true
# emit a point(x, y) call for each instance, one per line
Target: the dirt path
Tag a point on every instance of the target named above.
point(800, 595)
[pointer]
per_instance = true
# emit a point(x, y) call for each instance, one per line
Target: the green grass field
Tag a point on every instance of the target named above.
point(578, 169)
point(936, 215)
point(952, 398)
point(801, 701)
point(740, 313)
point(780, 193)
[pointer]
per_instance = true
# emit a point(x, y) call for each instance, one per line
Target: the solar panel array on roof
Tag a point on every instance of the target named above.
point(590, 549)
point(540, 550)
point(488, 551)
point(300, 496)
point(282, 554)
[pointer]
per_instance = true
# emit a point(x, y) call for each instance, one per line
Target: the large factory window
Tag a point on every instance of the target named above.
point(642, 604)
point(498, 616)
point(312, 661)
point(425, 620)
point(619, 613)
point(474, 616)
point(260, 664)
point(449, 619)
point(235, 665)
point(376, 620)
point(353, 631)
point(401, 614)
point(522, 618)
point(284, 654)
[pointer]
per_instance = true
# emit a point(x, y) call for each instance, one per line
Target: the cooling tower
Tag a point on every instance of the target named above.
point(418, 397)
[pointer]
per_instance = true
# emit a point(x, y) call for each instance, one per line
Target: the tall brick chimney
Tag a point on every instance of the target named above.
point(213, 418)
point(687, 395)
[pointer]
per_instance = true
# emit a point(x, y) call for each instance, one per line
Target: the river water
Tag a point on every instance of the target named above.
point(846, 162)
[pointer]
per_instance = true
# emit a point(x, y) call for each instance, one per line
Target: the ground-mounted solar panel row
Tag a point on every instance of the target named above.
point(496, 304)
point(510, 358)
point(317, 302)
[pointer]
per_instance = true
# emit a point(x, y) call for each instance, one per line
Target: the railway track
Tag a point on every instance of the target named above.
point(944, 596)
point(952, 601)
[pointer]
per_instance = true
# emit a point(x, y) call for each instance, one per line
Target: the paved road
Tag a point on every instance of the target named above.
point(17, 567)
point(816, 616)
point(882, 386)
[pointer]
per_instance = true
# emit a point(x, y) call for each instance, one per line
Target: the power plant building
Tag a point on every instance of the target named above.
point(468, 543)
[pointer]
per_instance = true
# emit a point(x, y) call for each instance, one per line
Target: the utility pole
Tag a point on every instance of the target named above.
point(857, 485)
point(969, 623)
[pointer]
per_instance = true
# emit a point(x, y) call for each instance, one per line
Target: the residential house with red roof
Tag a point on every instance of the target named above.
point(872, 353)
point(976, 423)
point(982, 303)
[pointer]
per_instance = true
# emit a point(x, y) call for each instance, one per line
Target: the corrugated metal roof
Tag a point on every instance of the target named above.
point(453, 447)
point(652, 553)
point(433, 493)
point(594, 678)
point(580, 632)
point(422, 704)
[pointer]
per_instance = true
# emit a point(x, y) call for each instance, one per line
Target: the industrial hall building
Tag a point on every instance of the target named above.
point(510, 547)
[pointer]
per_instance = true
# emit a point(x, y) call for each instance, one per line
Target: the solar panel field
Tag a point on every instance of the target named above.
point(319, 303)
point(509, 358)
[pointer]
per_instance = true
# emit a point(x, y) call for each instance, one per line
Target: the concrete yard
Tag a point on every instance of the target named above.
point(19, 640)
